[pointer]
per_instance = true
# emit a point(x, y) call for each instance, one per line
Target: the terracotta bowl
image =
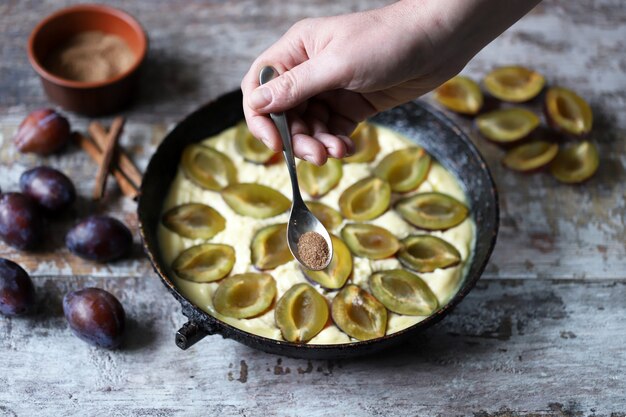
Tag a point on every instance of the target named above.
point(88, 98)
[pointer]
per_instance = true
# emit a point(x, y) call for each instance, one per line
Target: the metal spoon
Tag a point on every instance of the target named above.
point(301, 220)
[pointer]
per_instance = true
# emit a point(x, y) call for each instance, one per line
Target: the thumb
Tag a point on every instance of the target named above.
point(292, 87)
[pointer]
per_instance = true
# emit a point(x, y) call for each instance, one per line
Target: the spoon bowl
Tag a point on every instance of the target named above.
point(301, 220)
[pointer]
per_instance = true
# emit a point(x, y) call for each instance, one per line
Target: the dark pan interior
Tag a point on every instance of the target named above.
point(418, 121)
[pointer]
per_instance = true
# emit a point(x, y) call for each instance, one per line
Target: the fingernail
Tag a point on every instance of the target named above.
point(268, 143)
point(310, 158)
point(260, 98)
point(350, 148)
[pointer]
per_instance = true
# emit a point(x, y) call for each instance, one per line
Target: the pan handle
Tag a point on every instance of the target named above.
point(189, 334)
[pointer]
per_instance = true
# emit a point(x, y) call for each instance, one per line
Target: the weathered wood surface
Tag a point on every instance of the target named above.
point(527, 345)
point(543, 334)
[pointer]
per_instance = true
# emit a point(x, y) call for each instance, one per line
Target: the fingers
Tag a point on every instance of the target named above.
point(296, 85)
point(260, 125)
point(350, 147)
point(334, 146)
point(304, 146)
point(301, 77)
point(282, 54)
point(351, 105)
point(316, 118)
point(263, 129)
point(309, 149)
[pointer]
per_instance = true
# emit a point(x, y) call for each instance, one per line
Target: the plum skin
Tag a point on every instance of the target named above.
point(99, 238)
point(43, 132)
point(95, 316)
point(17, 293)
point(52, 189)
point(21, 223)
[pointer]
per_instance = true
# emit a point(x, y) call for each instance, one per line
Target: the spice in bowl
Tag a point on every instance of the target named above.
point(313, 250)
point(91, 56)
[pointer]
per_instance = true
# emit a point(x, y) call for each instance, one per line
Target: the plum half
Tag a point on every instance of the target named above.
point(507, 125)
point(366, 146)
point(207, 262)
point(530, 156)
point(575, 163)
point(461, 95)
point(330, 218)
point(207, 167)
point(403, 292)
point(432, 211)
point(255, 200)
point(335, 275)
point(194, 221)
point(568, 112)
point(425, 253)
point(404, 169)
point(269, 247)
point(252, 149)
point(359, 314)
point(366, 199)
point(244, 295)
point(369, 241)
point(514, 84)
point(319, 180)
point(301, 313)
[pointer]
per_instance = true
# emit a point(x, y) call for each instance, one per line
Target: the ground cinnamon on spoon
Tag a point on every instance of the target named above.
point(313, 250)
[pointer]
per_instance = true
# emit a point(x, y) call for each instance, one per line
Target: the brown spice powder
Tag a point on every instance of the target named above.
point(313, 250)
point(90, 57)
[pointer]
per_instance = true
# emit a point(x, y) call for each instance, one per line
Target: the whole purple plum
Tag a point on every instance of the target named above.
point(21, 224)
point(99, 238)
point(43, 132)
point(95, 316)
point(17, 293)
point(52, 189)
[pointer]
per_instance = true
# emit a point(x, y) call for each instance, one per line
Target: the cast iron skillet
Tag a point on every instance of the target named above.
point(418, 121)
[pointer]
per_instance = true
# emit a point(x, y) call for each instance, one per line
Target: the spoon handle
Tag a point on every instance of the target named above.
point(280, 121)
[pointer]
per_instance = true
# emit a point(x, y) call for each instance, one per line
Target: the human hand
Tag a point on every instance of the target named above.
point(337, 71)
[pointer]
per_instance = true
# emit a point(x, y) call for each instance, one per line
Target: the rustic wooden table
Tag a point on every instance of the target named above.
point(543, 333)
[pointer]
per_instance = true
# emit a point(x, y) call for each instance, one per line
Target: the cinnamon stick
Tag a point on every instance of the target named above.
point(122, 160)
point(87, 145)
point(108, 149)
